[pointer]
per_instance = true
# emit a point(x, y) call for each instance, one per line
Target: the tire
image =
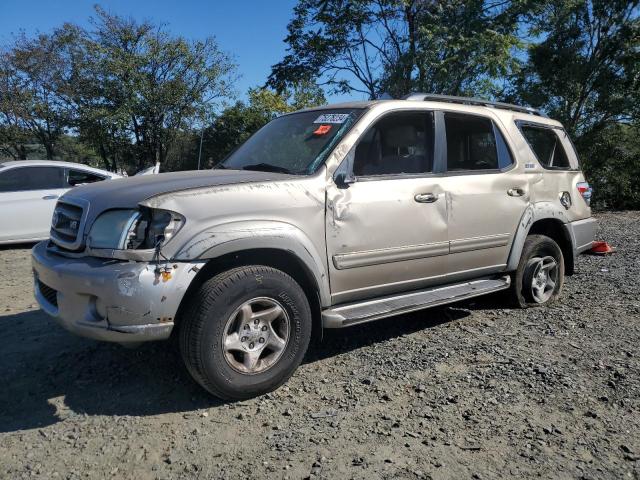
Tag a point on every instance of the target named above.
point(257, 359)
point(527, 288)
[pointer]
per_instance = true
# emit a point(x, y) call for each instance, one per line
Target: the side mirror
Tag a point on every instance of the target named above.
point(343, 180)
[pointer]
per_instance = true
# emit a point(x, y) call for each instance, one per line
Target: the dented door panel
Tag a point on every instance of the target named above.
point(483, 217)
point(381, 240)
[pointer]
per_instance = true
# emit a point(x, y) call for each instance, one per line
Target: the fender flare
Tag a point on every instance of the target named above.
point(238, 236)
point(533, 213)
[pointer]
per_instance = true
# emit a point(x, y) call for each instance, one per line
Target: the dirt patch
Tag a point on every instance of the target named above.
point(469, 391)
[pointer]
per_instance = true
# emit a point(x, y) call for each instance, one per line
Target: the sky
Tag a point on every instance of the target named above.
point(252, 31)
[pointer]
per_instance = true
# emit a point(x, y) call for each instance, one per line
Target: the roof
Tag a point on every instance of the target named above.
point(468, 104)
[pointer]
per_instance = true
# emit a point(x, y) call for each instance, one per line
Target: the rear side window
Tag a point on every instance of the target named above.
point(31, 178)
point(546, 145)
point(399, 143)
point(80, 177)
point(473, 143)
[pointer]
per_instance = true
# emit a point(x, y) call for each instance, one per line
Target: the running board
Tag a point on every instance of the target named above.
point(366, 311)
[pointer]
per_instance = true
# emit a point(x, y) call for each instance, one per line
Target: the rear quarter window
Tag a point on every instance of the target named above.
point(546, 146)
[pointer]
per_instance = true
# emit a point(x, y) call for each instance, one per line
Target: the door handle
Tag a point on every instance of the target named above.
point(50, 197)
point(425, 198)
point(515, 192)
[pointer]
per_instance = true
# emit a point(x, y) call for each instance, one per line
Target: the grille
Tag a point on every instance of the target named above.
point(65, 224)
point(49, 293)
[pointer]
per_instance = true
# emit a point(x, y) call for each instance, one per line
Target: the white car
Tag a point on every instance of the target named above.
point(29, 190)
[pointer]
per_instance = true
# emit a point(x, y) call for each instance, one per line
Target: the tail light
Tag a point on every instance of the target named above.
point(585, 190)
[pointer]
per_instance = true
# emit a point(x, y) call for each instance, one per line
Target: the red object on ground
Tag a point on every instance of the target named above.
point(601, 248)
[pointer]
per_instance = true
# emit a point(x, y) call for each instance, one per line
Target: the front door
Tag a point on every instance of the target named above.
point(387, 229)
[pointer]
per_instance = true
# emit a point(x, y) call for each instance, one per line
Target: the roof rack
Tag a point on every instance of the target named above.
point(471, 101)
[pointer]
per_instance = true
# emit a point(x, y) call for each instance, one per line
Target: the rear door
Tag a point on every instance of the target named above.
point(28, 195)
point(486, 192)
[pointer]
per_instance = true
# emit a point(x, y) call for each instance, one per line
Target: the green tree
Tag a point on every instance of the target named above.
point(464, 47)
point(583, 67)
point(611, 161)
point(33, 76)
point(136, 80)
point(13, 134)
point(126, 89)
point(399, 46)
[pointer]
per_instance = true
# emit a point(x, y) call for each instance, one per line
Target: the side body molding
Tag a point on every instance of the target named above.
point(252, 234)
point(533, 213)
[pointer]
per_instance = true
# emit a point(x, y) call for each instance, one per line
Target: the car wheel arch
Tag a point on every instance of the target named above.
point(543, 218)
point(278, 258)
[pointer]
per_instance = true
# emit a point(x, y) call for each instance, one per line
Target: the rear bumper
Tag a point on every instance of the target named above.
point(582, 233)
point(109, 300)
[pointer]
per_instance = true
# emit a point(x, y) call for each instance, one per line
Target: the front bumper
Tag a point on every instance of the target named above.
point(110, 300)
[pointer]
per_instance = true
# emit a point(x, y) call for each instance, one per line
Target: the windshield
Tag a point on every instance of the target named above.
point(296, 143)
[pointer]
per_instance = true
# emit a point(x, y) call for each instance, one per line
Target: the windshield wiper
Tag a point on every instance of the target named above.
point(266, 167)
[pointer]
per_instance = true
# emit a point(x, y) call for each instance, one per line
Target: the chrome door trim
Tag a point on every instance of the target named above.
point(389, 255)
point(479, 243)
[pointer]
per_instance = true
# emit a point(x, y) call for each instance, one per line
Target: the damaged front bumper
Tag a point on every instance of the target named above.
point(110, 300)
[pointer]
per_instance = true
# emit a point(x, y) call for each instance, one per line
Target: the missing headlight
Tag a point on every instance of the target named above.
point(161, 227)
point(134, 229)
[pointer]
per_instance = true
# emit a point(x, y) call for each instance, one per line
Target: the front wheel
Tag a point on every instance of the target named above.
point(540, 275)
point(245, 332)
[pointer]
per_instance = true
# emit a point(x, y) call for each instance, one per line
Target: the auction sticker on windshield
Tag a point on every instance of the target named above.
point(332, 118)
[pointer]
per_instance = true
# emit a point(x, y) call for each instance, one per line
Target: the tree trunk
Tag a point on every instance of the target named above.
point(18, 151)
point(48, 146)
point(103, 156)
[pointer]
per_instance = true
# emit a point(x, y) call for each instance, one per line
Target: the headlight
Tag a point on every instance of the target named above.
point(110, 230)
point(134, 229)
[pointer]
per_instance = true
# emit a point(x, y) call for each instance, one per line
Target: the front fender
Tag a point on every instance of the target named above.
point(238, 236)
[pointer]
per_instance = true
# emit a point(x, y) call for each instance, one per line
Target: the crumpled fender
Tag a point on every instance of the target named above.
point(237, 236)
point(533, 213)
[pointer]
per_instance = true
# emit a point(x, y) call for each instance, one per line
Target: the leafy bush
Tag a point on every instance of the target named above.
point(611, 161)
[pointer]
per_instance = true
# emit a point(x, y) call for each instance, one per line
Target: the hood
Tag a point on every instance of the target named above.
point(129, 192)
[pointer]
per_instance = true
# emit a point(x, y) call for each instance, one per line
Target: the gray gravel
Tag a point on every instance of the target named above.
point(470, 391)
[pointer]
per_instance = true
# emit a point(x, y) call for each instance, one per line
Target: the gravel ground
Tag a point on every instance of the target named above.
point(468, 391)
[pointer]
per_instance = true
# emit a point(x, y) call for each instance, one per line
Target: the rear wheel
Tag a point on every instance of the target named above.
point(540, 274)
point(245, 332)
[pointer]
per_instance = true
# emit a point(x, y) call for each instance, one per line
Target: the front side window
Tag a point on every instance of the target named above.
point(81, 177)
point(471, 143)
point(31, 178)
point(399, 143)
point(546, 145)
point(296, 143)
